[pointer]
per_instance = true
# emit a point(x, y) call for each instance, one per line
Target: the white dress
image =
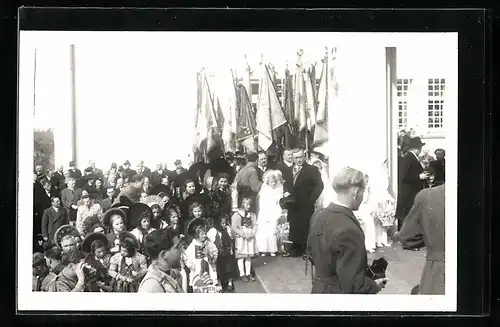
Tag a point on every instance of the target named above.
point(385, 203)
point(364, 215)
point(267, 218)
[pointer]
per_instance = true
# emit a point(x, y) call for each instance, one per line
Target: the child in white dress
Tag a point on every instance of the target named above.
point(269, 212)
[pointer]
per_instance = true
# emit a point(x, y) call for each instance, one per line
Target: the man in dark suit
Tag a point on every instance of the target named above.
point(70, 197)
point(127, 171)
point(437, 166)
point(98, 173)
point(40, 202)
point(336, 241)
point(305, 189)
point(108, 202)
point(157, 175)
point(53, 218)
point(57, 181)
point(411, 179)
point(285, 167)
point(261, 164)
point(143, 170)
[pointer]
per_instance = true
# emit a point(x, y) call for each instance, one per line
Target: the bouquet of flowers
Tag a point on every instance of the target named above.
point(386, 212)
point(282, 232)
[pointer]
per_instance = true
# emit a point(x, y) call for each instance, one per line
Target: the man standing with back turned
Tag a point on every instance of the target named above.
point(336, 242)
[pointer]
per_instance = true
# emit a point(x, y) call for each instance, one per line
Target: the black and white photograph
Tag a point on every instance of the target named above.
point(270, 170)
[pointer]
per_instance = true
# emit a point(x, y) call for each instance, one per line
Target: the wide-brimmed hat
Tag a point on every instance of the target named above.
point(154, 199)
point(134, 214)
point(87, 242)
point(72, 163)
point(287, 202)
point(122, 236)
point(63, 231)
point(160, 239)
point(415, 143)
point(111, 212)
point(194, 225)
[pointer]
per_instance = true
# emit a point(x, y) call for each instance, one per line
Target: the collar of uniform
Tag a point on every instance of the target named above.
point(333, 207)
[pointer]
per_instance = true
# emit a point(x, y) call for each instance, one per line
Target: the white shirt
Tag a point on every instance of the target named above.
point(288, 164)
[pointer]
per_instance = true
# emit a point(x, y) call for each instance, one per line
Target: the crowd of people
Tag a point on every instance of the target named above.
point(198, 229)
point(111, 229)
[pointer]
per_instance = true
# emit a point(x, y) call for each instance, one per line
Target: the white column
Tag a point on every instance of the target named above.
point(392, 120)
point(357, 122)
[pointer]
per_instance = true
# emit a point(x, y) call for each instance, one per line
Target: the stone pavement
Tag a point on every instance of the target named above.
point(287, 275)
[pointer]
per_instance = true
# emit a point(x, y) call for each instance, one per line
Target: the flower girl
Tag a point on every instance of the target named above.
point(244, 227)
point(269, 212)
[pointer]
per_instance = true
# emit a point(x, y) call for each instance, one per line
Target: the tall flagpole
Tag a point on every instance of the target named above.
point(34, 87)
point(73, 102)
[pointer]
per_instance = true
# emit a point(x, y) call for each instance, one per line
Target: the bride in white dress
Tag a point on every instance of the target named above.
point(376, 213)
point(269, 212)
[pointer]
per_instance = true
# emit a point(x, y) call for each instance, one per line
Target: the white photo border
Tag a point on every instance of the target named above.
point(38, 301)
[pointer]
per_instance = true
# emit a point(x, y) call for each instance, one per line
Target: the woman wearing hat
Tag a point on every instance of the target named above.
point(115, 220)
point(95, 245)
point(127, 267)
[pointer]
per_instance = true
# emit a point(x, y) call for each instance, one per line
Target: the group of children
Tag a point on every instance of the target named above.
point(217, 239)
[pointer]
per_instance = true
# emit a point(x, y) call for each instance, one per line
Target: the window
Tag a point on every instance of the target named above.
point(435, 94)
point(255, 88)
point(402, 114)
point(402, 95)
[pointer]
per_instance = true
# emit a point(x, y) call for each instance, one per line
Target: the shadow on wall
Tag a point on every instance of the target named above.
point(43, 153)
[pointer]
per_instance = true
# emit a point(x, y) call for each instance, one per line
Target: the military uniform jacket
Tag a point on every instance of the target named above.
point(336, 244)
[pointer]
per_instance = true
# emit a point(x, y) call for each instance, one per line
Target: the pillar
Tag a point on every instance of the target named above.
point(357, 119)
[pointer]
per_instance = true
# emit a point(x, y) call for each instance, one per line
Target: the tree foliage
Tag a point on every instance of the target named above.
point(43, 153)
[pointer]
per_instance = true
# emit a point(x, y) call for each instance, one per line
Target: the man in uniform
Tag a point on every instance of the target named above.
point(336, 242)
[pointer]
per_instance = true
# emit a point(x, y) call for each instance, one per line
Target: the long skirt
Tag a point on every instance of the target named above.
point(226, 267)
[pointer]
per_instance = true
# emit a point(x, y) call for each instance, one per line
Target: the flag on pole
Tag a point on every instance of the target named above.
point(227, 101)
point(321, 129)
point(300, 96)
point(269, 114)
point(290, 139)
point(206, 119)
point(310, 100)
point(245, 128)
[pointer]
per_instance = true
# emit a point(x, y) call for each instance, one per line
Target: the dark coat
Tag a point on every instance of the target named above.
point(306, 190)
point(336, 244)
point(156, 177)
point(287, 174)
point(146, 172)
point(220, 165)
point(106, 204)
point(409, 184)
point(427, 218)
point(52, 220)
point(77, 175)
point(57, 181)
point(437, 167)
point(40, 202)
